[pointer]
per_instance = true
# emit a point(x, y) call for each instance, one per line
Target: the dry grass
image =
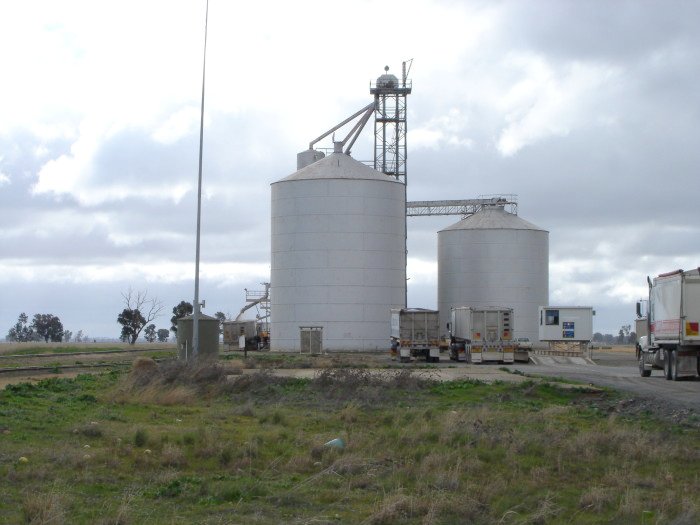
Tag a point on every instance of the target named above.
point(43, 509)
point(597, 498)
point(253, 445)
point(394, 508)
point(170, 383)
point(175, 395)
point(172, 456)
point(366, 387)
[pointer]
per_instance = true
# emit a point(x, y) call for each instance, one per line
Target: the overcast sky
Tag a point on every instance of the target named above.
point(588, 111)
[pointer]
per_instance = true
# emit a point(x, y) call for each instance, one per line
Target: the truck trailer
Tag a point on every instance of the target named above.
point(482, 335)
point(415, 333)
point(673, 322)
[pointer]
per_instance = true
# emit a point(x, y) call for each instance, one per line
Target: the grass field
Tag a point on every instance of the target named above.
point(168, 444)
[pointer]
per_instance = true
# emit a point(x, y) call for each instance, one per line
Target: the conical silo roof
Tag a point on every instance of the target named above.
point(493, 218)
point(337, 166)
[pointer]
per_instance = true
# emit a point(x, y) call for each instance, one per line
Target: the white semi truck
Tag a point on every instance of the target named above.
point(482, 335)
point(415, 333)
point(673, 318)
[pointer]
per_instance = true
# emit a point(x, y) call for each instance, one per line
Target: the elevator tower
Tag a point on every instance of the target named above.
point(390, 122)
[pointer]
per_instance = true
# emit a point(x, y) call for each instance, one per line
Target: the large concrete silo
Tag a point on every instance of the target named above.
point(338, 256)
point(494, 258)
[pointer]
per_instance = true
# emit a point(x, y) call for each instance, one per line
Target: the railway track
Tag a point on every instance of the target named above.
point(29, 370)
point(69, 354)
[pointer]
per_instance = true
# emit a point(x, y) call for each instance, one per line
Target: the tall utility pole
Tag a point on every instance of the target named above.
point(195, 311)
point(390, 132)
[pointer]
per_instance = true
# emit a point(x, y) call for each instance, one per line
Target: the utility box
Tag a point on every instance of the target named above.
point(568, 324)
point(208, 337)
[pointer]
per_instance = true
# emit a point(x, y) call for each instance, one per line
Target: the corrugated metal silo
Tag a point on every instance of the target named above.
point(338, 256)
point(494, 258)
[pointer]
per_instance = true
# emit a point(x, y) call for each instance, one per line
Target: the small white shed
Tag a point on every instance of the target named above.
point(566, 323)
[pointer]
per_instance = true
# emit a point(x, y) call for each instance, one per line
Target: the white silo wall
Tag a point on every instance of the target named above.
point(338, 259)
point(494, 258)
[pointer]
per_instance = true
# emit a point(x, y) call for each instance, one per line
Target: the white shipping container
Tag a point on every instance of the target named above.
point(566, 323)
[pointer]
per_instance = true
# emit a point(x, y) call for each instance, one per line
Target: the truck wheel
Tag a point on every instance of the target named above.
point(674, 365)
point(642, 371)
point(667, 365)
point(698, 365)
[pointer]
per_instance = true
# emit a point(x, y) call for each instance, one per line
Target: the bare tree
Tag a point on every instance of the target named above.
point(138, 312)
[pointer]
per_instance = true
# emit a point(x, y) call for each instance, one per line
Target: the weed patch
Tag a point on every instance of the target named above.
point(256, 448)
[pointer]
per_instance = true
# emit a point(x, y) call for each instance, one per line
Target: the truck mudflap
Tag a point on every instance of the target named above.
point(685, 362)
point(394, 352)
point(459, 351)
point(645, 363)
point(509, 355)
point(434, 354)
point(463, 353)
point(404, 354)
point(493, 354)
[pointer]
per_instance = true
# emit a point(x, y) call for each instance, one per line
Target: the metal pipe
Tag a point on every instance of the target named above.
point(355, 115)
point(361, 125)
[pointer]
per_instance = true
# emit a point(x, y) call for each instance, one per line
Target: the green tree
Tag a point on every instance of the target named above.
point(623, 334)
point(150, 333)
point(21, 332)
point(181, 310)
point(221, 316)
point(138, 312)
point(132, 323)
point(163, 335)
point(48, 327)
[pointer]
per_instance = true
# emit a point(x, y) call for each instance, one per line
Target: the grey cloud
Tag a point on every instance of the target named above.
point(625, 170)
point(600, 30)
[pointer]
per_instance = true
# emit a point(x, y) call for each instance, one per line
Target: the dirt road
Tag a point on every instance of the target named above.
point(618, 370)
